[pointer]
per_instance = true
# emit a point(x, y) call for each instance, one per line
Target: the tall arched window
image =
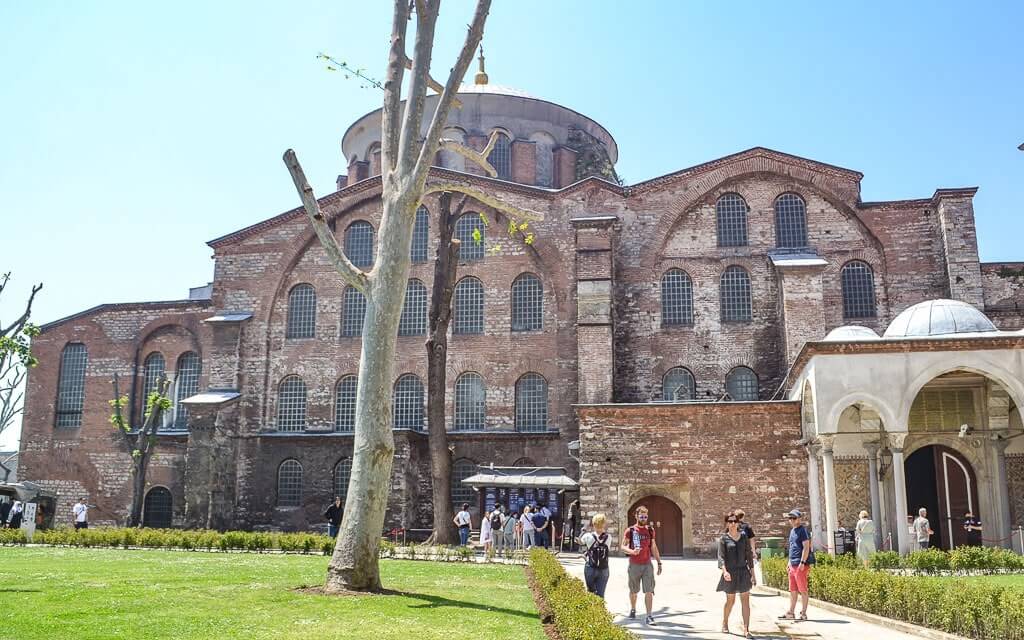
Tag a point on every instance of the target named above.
point(731, 212)
point(532, 403)
point(468, 306)
point(501, 157)
point(790, 221)
point(461, 493)
point(469, 230)
point(735, 293)
point(858, 290)
point(289, 484)
point(345, 404)
point(153, 370)
point(342, 474)
point(678, 385)
point(470, 402)
point(420, 235)
point(407, 403)
point(413, 321)
point(158, 508)
point(301, 312)
point(190, 367)
point(359, 243)
point(71, 385)
point(291, 404)
point(676, 298)
point(527, 303)
point(353, 311)
point(741, 384)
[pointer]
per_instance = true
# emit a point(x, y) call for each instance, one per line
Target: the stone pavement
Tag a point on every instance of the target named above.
point(686, 605)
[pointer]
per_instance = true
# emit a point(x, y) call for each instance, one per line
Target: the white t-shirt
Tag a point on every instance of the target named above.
point(921, 528)
point(485, 530)
point(462, 518)
point(588, 539)
point(81, 511)
point(527, 522)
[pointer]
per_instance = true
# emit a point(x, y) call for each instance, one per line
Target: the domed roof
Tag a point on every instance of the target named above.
point(939, 318)
point(850, 333)
point(496, 89)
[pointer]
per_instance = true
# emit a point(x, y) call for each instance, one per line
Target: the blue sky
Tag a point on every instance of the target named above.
point(133, 132)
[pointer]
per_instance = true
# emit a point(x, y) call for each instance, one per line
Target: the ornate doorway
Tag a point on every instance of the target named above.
point(942, 481)
point(667, 519)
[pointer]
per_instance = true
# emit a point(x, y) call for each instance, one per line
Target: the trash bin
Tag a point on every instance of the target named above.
point(772, 547)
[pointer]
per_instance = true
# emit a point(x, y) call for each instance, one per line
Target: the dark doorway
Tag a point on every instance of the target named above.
point(157, 508)
point(943, 482)
point(667, 520)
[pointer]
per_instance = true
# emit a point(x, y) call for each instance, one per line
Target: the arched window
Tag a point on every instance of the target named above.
point(469, 230)
point(524, 462)
point(190, 367)
point(157, 508)
point(731, 211)
point(470, 402)
point(676, 298)
point(468, 306)
point(735, 292)
point(501, 157)
point(373, 157)
point(532, 403)
point(420, 235)
point(153, 371)
point(678, 385)
point(345, 404)
point(359, 243)
point(790, 221)
point(407, 403)
point(301, 312)
point(353, 311)
point(413, 321)
point(342, 474)
point(741, 384)
point(527, 303)
point(71, 385)
point(291, 404)
point(289, 484)
point(858, 290)
point(461, 493)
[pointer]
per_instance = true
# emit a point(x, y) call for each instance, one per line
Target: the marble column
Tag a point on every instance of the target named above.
point(814, 493)
point(1003, 488)
point(828, 466)
point(876, 508)
point(899, 479)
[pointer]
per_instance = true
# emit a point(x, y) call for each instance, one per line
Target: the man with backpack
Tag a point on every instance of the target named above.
point(638, 543)
point(595, 545)
point(498, 519)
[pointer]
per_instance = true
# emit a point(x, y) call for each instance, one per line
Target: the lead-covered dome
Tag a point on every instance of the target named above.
point(939, 318)
point(851, 333)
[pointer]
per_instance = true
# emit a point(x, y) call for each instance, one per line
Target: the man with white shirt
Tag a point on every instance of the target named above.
point(81, 514)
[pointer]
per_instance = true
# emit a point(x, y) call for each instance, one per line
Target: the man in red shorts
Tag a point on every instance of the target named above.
point(800, 560)
point(638, 543)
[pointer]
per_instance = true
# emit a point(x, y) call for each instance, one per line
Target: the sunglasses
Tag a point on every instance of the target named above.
point(642, 516)
point(791, 517)
point(731, 521)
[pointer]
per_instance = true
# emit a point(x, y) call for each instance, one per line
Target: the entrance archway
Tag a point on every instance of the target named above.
point(943, 482)
point(157, 508)
point(667, 519)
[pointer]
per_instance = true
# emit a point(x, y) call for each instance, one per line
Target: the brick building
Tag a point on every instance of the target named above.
point(658, 323)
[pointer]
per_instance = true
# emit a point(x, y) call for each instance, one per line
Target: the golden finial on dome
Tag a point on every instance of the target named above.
point(481, 76)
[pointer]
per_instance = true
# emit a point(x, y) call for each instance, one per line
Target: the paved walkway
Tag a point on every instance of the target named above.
point(686, 605)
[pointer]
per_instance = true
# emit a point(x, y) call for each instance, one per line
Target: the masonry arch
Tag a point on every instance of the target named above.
point(158, 508)
point(992, 371)
point(670, 514)
point(941, 479)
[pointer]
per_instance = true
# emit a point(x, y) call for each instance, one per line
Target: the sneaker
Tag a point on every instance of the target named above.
point(632, 614)
point(649, 620)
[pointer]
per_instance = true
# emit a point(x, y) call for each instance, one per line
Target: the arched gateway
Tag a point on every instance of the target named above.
point(943, 482)
point(667, 520)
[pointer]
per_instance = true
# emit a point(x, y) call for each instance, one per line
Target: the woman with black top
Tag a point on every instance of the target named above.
point(736, 560)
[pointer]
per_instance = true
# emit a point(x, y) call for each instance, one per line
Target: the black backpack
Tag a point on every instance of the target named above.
point(496, 521)
point(597, 554)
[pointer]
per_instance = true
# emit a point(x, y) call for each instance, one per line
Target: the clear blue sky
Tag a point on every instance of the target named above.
point(134, 132)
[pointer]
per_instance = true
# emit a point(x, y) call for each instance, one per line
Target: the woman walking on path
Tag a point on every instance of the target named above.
point(736, 560)
point(865, 538)
point(595, 551)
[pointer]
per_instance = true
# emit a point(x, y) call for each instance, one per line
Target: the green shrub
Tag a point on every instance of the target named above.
point(927, 561)
point(885, 560)
point(12, 536)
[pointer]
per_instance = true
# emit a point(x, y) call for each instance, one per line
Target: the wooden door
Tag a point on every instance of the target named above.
point(667, 520)
point(958, 494)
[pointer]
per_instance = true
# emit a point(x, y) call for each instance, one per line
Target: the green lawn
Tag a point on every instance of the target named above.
point(57, 593)
point(1007, 580)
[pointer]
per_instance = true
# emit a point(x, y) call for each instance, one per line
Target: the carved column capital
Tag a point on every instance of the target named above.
point(896, 441)
point(1000, 442)
point(827, 442)
point(872, 448)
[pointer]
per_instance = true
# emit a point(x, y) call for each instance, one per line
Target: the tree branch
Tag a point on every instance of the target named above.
point(487, 199)
point(19, 324)
point(426, 22)
point(391, 112)
point(435, 85)
point(349, 272)
point(477, 157)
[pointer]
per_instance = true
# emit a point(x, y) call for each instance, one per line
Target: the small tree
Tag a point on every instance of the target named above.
point(15, 359)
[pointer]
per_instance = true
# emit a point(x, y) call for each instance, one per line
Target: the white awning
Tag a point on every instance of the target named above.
point(536, 477)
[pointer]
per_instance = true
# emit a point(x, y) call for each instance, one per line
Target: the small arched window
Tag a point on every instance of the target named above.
point(359, 243)
point(407, 403)
point(301, 312)
point(289, 484)
point(501, 157)
point(158, 508)
point(342, 474)
point(461, 493)
point(345, 404)
point(190, 367)
point(291, 404)
point(420, 235)
point(532, 403)
point(678, 385)
point(858, 290)
point(468, 306)
point(71, 385)
point(413, 321)
point(527, 303)
point(790, 221)
point(676, 298)
point(735, 293)
point(731, 212)
point(470, 402)
point(469, 231)
point(373, 155)
point(741, 384)
point(154, 368)
point(353, 311)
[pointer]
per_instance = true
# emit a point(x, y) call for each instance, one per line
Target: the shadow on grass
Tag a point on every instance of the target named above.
point(429, 601)
point(9, 590)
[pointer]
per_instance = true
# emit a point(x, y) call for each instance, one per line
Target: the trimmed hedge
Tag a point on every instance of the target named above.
point(954, 605)
point(578, 614)
point(959, 560)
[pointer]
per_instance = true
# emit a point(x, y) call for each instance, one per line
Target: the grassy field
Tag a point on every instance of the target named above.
point(56, 593)
point(1009, 580)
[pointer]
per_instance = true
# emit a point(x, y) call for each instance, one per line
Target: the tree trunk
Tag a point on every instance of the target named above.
point(139, 468)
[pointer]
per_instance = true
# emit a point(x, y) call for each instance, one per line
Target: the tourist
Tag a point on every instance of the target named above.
point(923, 529)
point(595, 552)
point(463, 521)
point(913, 534)
point(541, 525)
point(498, 519)
point(573, 522)
point(526, 522)
point(746, 530)
point(639, 544)
point(736, 560)
point(485, 532)
point(865, 533)
point(14, 520)
point(333, 516)
point(81, 514)
point(800, 560)
point(549, 531)
point(511, 531)
point(972, 526)
point(5, 510)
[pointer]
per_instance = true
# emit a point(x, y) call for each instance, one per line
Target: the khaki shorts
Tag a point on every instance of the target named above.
point(641, 573)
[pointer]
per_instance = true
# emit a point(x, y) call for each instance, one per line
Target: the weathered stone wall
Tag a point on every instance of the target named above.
point(852, 491)
point(1003, 283)
point(1015, 477)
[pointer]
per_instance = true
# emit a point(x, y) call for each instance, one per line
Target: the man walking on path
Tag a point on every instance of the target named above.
point(639, 544)
point(800, 560)
point(81, 513)
point(333, 515)
point(923, 529)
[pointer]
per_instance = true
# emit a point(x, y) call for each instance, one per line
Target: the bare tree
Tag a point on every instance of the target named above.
point(15, 359)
